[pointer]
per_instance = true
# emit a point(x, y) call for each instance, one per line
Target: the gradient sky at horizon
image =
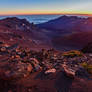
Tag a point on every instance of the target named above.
point(45, 6)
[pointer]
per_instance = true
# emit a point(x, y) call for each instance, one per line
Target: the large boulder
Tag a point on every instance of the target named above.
point(53, 70)
point(69, 72)
point(75, 70)
point(35, 64)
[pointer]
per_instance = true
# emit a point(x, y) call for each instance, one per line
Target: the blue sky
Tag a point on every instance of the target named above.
point(45, 6)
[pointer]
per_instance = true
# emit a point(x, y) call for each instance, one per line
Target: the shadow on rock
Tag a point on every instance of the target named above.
point(63, 83)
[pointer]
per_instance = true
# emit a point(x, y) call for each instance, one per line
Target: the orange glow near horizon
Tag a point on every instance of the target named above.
point(45, 13)
point(38, 7)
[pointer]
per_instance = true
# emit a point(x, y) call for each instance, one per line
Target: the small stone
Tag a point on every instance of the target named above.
point(9, 90)
point(29, 68)
point(17, 56)
point(50, 71)
point(3, 49)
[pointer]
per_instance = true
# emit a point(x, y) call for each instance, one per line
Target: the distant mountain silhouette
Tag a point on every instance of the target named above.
point(69, 32)
point(68, 23)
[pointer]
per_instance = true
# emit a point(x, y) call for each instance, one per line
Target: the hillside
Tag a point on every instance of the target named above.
point(72, 41)
point(69, 32)
point(21, 32)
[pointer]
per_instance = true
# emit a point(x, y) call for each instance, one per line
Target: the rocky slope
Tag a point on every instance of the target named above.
point(21, 32)
point(25, 70)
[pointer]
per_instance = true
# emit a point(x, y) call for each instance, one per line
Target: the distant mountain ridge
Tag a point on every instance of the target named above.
point(69, 32)
point(68, 23)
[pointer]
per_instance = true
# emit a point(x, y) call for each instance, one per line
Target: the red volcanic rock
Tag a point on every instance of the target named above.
point(26, 73)
point(35, 64)
point(14, 70)
point(50, 71)
point(3, 49)
point(68, 71)
point(51, 83)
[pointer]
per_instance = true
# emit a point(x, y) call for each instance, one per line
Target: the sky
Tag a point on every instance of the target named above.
point(17, 7)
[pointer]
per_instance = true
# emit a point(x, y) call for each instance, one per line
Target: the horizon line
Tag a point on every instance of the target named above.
point(81, 14)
